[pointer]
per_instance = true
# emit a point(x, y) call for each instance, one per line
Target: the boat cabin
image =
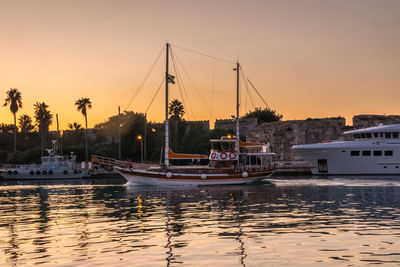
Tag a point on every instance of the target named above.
point(231, 152)
point(381, 132)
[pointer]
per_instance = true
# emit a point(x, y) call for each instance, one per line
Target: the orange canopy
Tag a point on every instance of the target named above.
point(173, 155)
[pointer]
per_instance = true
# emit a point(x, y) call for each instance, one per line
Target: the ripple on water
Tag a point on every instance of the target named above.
point(336, 222)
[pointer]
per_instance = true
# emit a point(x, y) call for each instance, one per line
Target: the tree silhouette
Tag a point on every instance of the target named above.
point(43, 119)
point(176, 109)
point(83, 104)
point(74, 126)
point(25, 123)
point(14, 99)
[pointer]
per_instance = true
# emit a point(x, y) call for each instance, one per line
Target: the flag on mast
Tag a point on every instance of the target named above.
point(171, 78)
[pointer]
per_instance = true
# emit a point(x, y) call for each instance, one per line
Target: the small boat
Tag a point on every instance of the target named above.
point(373, 151)
point(231, 160)
point(53, 166)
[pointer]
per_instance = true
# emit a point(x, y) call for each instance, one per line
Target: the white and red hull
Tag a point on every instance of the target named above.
point(148, 177)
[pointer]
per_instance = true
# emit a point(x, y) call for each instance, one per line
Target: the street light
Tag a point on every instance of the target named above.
point(140, 138)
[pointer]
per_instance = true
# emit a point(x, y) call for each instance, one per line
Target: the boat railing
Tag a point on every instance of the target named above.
point(110, 162)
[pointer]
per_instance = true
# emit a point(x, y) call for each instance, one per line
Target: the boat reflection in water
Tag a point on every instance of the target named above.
point(107, 223)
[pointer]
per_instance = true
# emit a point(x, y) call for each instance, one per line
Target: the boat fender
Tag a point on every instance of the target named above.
point(223, 156)
point(15, 172)
point(31, 172)
point(169, 175)
point(9, 172)
point(245, 174)
point(44, 172)
point(75, 172)
point(50, 172)
point(203, 176)
point(65, 172)
point(37, 172)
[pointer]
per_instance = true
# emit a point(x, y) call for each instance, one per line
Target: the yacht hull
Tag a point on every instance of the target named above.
point(329, 160)
point(147, 177)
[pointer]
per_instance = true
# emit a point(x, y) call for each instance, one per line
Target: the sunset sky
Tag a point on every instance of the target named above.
point(307, 58)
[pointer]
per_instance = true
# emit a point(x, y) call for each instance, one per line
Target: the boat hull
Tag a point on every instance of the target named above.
point(146, 177)
point(336, 158)
point(38, 175)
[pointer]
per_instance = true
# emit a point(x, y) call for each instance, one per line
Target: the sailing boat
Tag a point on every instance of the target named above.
point(231, 160)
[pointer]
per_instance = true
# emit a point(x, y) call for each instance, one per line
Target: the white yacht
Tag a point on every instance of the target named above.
point(374, 150)
point(53, 166)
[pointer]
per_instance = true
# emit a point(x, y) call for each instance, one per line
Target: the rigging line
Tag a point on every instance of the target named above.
point(180, 84)
point(258, 94)
point(212, 90)
point(193, 84)
point(254, 90)
point(247, 91)
point(203, 54)
point(158, 90)
point(144, 81)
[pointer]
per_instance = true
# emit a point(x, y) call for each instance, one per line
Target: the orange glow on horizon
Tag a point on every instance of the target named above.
point(314, 59)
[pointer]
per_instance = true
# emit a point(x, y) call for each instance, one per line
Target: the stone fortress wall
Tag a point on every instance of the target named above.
point(282, 135)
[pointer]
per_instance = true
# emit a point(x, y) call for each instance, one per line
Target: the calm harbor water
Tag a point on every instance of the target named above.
point(302, 221)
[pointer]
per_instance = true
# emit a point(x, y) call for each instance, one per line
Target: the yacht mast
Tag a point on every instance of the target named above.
point(166, 108)
point(237, 105)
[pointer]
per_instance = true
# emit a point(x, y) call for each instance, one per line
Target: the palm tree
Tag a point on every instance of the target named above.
point(74, 126)
point(43, 119)
point(25, 123)
point(176, 109)
point(82, 105)
point(14, 99)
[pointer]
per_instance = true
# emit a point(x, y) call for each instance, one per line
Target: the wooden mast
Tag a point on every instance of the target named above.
point(166, 108)
point(237, 106)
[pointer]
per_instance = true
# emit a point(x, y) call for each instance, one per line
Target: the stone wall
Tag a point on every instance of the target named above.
point(282, 135)
point(364, 121)
point(246, 125)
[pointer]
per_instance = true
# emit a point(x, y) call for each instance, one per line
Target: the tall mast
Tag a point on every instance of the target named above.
point(166, 108)
point(237, 105)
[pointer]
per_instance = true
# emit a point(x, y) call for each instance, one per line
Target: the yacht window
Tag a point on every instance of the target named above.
point(366, 153)
point(395, 135)
point(388, 135)
point(363, 135)
point(376, 135)
point(388, 153)
point(381, 134)
point(377, 153)
point(356, 136)
point(369, 135)
point(355, 153)
point(44, 160)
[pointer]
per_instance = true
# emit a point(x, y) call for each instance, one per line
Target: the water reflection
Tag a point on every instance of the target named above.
point(109, 223)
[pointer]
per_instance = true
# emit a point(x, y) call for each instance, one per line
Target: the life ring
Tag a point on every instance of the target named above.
point(9, 172)
point(213, 155)
point(223, 156)
point(15, 172)
point(75, 172)
point(44, 172)
point(232, 155)
point(50, 172)
point(31, 172)
point(37, 172)
point(65, 172)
